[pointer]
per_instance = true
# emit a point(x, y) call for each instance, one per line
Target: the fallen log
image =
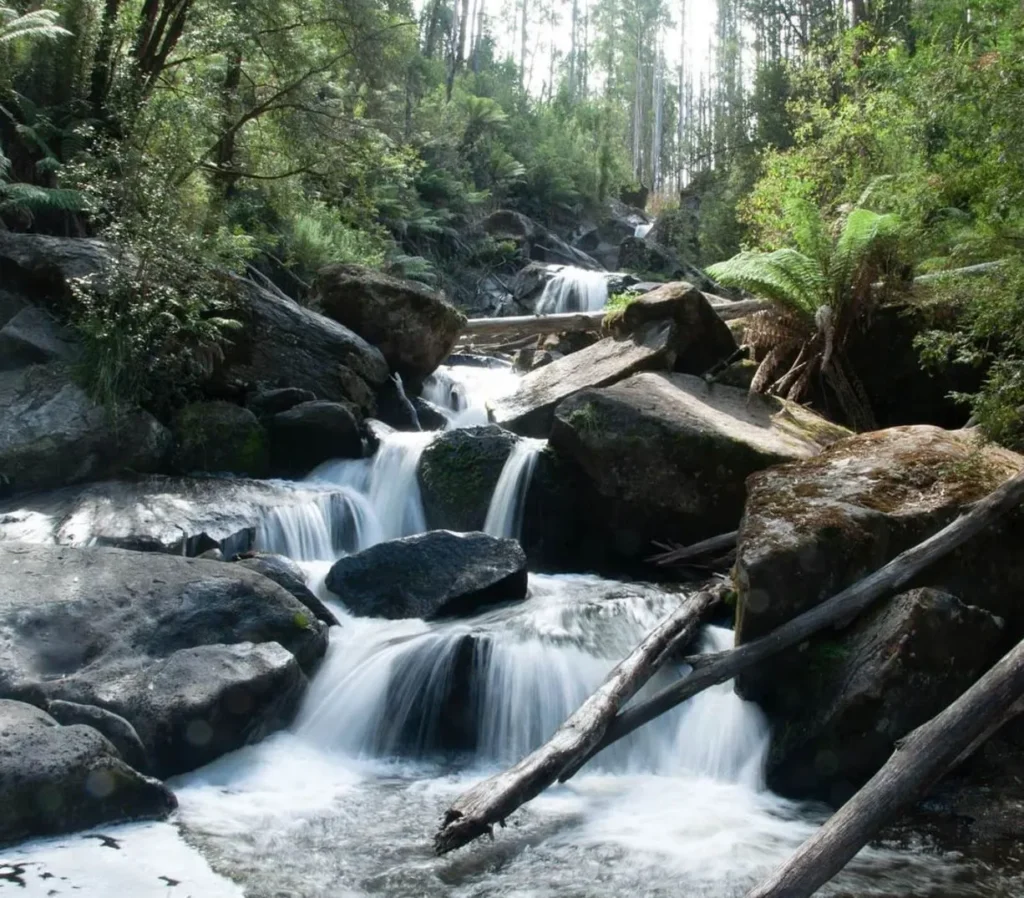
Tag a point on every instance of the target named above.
point(475, 812)
point(709, 670)
point(918, 762)
point(678, 554)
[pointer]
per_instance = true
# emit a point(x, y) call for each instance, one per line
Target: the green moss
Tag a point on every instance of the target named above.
point(584, 419)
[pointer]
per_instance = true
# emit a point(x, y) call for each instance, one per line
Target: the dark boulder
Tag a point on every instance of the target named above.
point(288, 575)
point(219, 437)
point(42, 268)
point(310, 433)
point(121, 734)
point(534, 240)
point(265, 403)
point(282, 344)
point(645, 258)
point(33, 337)
point(10, 305)
point(432, 575)
point(457, 474)
point(601, 239)
point(413, 326)
point(58, 779)
point(53, 434)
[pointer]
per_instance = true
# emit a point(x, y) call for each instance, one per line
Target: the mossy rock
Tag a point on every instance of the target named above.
point(219, 437)
point(458, 473)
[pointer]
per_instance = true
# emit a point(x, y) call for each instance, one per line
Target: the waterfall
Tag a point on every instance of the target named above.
point(573, 289)
point(505, 513)
point(337, 523)
point(642, 230)
point(464, 391)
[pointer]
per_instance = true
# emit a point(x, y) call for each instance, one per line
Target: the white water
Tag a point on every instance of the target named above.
point(464, 392)
point(642, 230)
point(505, 513)
point(574, 290)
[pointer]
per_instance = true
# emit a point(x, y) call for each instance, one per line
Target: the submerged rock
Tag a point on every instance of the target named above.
point(414, 327)
point(457, 475)
point(667, 455)
point(893, 670)
point(310, 433)
point(432, 575)
point(58, 779)
point(176, 515)
point(52, 434)
point(219, 437)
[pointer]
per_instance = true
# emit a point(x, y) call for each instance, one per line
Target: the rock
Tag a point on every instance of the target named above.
point(602, 239)
point(43, 267)
point(311, 433)
point(52, 434)
point(667, 455)
point(870, 685)
point(265, 403)
point(568, 343)
point(99, 626)
point(535, 241)
point(414, 327)
point(214, 554)
point(199, 703)
point(432, 575)
point(10, 305)
point(282, 344)
point(530, 359)
point(115, 728)
point(394, 407)
point(176, 515)
point(56, 779)
point(32, 337)
point(288, 575)
point(645, 258)
point(430, 416)
point(457, 474)
point(530, 409)
point(702, 338)
point(531, 282)
point(219, 437)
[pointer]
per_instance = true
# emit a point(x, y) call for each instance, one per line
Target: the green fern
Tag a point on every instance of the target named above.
point(39, 24)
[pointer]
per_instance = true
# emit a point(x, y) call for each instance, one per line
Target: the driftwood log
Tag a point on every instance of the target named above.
point(678, 554)
point(709, 670)
point(919, 761)
point(475, 812)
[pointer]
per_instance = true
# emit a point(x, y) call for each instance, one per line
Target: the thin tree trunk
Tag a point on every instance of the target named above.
point(433, 23)
point(460, 56)
point(919, 761)
point(474, 813)
point(522, 44)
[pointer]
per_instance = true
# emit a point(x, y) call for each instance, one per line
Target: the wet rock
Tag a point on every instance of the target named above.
point(433, 575)
point(457, 474)
point(666, 456)
point(144, 635)
point(32, 337)
point(702, 339)
point(43, 267)
point(58, 779)
point(530, 409)
point(414, 327)
point(219, 437)
point(530, 359)
point(282, 344)
point(121, 734)
point(311, 433)
point(199, 703)
point(394, 407)
point(430, 416)
point(870, 685)
point(52, 434)
point(176, 515)
point(288, 575)
point(535, 241)
point(265, 403)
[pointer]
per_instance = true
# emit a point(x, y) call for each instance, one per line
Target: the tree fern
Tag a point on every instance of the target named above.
point(40, 24)
point(786, 277)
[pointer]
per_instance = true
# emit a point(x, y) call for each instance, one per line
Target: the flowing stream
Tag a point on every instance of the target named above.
point(574, 289)
point(404, 715)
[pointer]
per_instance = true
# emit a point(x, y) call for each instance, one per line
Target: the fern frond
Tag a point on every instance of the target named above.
point(863, 234)
point(41, 23)
point(40, 199)
point(786, 277)
point(810, 232)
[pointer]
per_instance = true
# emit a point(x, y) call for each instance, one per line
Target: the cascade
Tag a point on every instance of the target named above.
point(505, 513)
point(574, 289)
point(464, 391)
point(642, 230)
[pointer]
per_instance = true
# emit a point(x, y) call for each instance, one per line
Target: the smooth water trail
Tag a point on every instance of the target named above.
point(464, 392)
point(505, 513)
point(340, 522)
point(574, 289)
point(642, 230)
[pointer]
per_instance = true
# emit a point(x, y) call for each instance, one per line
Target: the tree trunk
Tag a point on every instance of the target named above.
point(475, 812)
point(103, 61)
point(460, 57)
point(918, 762)
point(709, 670)
point(522, 44)
point(433, 23)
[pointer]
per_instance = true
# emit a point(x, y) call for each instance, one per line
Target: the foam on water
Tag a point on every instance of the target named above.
point(464, 392)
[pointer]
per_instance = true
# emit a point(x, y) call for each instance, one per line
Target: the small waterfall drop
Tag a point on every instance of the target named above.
point(642, 230)
point(505, 513)
point(574, 289)
point(464, 391)
point(340, 522)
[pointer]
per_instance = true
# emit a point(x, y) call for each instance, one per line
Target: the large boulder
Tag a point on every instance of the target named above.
point(433, 575)
point(601, 239)
point(42, 267)
point(282, 344)
point(52, 434)
point(457, 474)
point(10, 304)
point(57, 779)
point(122, 735)
point(287, 574)
point(530, 409)
point(702, 338)
point(219, 437)
point(667, 455)
point(535, 242)
point(646, 258)
point(311, 433)
point(33, 336)
point(865, 688)
point(414, 327)
point(99, 626)
point(264, 403)
point(176, 515)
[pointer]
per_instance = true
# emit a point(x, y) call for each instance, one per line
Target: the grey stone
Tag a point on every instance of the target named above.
point(288, 575)
point(32, 337)
point(119, 731)
point(219, 437)
point(310, 433)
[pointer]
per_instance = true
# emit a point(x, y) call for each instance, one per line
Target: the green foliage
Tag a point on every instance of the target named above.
point(35, 25)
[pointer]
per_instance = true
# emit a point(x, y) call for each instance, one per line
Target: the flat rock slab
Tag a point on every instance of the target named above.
point(57, 779)
point(530, 409)
point(176, 515)
point(433, 575)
